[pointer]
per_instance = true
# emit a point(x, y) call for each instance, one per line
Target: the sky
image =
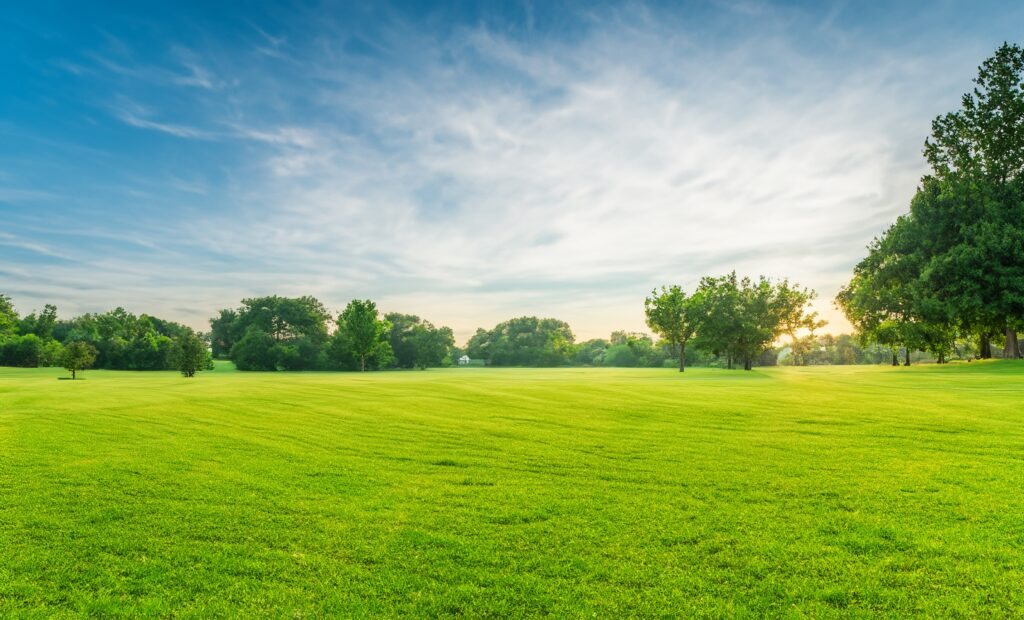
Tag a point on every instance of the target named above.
point(466, 162)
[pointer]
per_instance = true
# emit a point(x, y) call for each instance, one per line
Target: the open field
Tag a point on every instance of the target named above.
point(570, 492)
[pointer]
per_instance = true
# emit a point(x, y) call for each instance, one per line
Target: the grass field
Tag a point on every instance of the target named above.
point(849, 491)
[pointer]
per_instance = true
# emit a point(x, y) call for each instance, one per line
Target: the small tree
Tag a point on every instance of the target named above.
point(192, 355)
point(77, 356)
point(362, 334)
point(669, 316)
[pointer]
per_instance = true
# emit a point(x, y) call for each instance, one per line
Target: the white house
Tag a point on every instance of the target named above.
point(464, 360)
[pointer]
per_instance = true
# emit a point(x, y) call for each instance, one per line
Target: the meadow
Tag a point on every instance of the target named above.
point(784, 492)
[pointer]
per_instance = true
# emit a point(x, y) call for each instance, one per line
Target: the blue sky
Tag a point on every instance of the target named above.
point(467, 162)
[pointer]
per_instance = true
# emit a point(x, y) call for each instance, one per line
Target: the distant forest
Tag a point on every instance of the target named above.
point(279, 333)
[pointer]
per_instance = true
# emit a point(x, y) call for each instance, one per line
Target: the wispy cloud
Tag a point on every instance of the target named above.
point(635, 151)
point(479, 173)
point(180, 131)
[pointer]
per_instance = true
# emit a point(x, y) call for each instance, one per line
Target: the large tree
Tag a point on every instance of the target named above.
point(742, 318)
point(882, 298)
point(669, 314)
point(272, 332)
point(417, 343)
point(524, 341)
point(976, 193)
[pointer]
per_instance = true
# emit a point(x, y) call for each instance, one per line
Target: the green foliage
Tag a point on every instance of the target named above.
point(78, 356)
point(826, 349)
point(26, 351)
point(272, 333)
point(361, 340)
point(741, 318)
point(417, 343)
point(524, 341)
point(255, 351)
point(192, 355)
point(673, 316)
point(41, 325)
point(954, 265)
point(623, 350)
point(647, 353)
point(124, 341)
point(223, 329)
point(8, 318)
point(590, 352)
point(620, 356)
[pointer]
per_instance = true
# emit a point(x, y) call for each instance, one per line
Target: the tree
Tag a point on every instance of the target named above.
point(646, 353)
point(977, 157)
point(362, 335)
point(8, 318)
point(192, 355)
point(668, 314)
point(42, 324)
point(416, 343)
point(742, 317)
point(25, 351)
point(271, 333)
point(590, 352)
point(886, 301)
point(254, 351)
point(715, 305)
point(78, 356)
point(223, 331)
point(431, 345)
point(524, 341)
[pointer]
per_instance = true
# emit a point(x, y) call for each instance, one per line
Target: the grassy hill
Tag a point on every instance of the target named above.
point(570, 492)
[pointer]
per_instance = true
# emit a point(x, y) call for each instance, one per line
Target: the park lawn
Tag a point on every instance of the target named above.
point(842, 491)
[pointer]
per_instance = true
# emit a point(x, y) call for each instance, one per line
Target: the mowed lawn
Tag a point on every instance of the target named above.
point(846, 491)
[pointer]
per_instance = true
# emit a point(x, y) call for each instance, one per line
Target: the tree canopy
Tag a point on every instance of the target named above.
point(954, 265)
point(524, 341)
point(670, 313)
point(78, 356)
point(361, 339)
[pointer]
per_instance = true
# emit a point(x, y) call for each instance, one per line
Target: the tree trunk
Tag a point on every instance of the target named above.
point(730, 363)
point(985, 348)
point(72, 375)
point(942, 358)
point(1011, 350)
point(362, 363)
point(906, 356)
point(682, 356)
point(748, 364)
point(895, 359)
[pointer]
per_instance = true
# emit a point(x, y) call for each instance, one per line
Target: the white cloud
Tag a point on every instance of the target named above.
point(578, 177)
point(481, 176)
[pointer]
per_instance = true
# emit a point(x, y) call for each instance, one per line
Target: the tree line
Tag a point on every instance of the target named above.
point(953, 267)
point(738, 318)
point(726, 319)
point(295, 333)
point(114, 340)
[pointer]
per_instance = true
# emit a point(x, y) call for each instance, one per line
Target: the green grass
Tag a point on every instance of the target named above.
point(856, 491)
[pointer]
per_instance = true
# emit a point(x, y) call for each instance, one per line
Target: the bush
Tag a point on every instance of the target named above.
point(23, 351)
point(621, 356)
point(255, 351)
